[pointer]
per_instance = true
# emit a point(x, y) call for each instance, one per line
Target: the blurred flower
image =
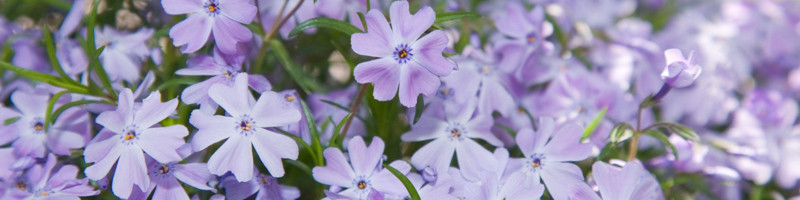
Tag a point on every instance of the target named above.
point(404, 59)
point(632, 181)
point(218, 18)
point(245, 129)
point(266, 186)
point(164, 180)
point(496, 184)
point(123, 52)
point(366, 174)
point(525, 32)
point(129, 135)
point(46, 181)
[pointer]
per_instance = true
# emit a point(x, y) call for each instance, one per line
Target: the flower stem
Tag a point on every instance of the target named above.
point(276, 25)
point(635, 140)
point(353, 110)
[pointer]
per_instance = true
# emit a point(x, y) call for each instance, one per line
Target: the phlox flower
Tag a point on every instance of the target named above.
point(680, 71)
point(49, 181)
point(405, 59)
point(123, 52)
point(632, 181)
point(222, 19)
point(266, 187)
point(245, 129)
point(128, 135)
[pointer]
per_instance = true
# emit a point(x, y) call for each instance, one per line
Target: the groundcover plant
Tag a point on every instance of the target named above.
point(396, 99)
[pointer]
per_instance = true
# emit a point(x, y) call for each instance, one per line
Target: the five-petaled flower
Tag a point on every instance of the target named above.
point(219, 18)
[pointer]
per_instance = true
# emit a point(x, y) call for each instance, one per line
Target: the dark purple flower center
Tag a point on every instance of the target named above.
point(228, 74)
point(456, 131)
point(531, 38)
point(289, 98)
point(444, 91)
point(21, 185)
point(403, 53)
point(362, 185)
point(246, 125)
point(130, 135)
point(163, 169)
point(535, 161)
point(212, 6)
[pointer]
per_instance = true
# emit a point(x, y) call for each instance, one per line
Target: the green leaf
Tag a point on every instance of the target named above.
point(592, 126)
point(51, 54)
point(419, 108)
point(175, 82)
point(363, 20)
point(101, 72)
point(306, 83)
point(300, 165)
point(316, 146)
point(335, 141)
point(610, 148)
point(442, 17)
point(412, 191)
point(50, 105)
point(325, 22)
point(663, 138)
point(45, 78)
point(298, 140)
point(10, 121)
point(648, 102)
point(66, 106)
point(683, 131)
point(621, 132)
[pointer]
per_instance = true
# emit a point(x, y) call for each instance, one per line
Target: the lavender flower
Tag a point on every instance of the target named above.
point(222, 72)
point(33, 138)
point(453, 134)
point(680, 72)
point(526, 31)
point(45, 181)
point(496, 184)
point(632, 181)
point(245, 129)
point(130, 134)
point(547, 156)
point(266, 186)
point(365, 175)
point(164, 180)
point(123, 52)
point(405, 60)
point(220, 18)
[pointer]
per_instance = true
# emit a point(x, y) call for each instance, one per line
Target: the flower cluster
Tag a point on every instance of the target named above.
point(396, 99)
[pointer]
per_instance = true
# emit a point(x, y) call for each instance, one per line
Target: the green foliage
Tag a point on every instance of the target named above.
point(412, 191)
point(592, 126)
point(325, 22)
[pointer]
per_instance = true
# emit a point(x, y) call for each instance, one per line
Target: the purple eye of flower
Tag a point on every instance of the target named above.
point(486, 69)
point(362, 185)
point(43, 193)
point(531, 38)
point(38, 125)
point(535, 161)
point(212, 6)
point(246, 125)
point(289, 98)
point(21, 185)
point(456, 131)
point(228, 74)
point(444, 92)
point(402, 53)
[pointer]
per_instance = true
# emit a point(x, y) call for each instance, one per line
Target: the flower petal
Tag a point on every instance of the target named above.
point(153, 110)
point(378, 42)
point(192, 32)
point(131, 169)
point(194, 174)
point(426, 128)
point(271, 147)
point(233, 99)
point(337, 172)
point(270, 111)
point(436, 154)
point(177, 7)
point(408, 27)
point(161, 142)
point(612, 182)
point(513, 21)
point(473, 159)
point(428, 53)
point(365, 158)
point(385, 182)
point(228, 32)
point(210, 129)
point(236, 156)
point(415, 80)
point(383, 73)
point(32, 105)
point(566, 146)
point(558, 177)
point(239, 11)
point(200, 65)
point(118, 119)
point(170, 189)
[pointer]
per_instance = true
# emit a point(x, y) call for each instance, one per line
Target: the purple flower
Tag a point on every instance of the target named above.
point(164, 180)
point(220, 18)
point(341, 9)
point(496, 184)
point(366, 174)
point(30, 134)
point(123, 52)
point(526, 33)
point(222, 72)
point(271, 9)
point(266, 186)
point(453, 134)
point(404, 59)
point(129, 135)
point(632, 181)
point(46, 181)
point(680, 72)
point(245, 129)
point(547, 155)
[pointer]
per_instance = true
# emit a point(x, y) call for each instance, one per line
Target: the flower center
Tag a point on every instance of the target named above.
point(246, 125)
point(456, 131)
point(163, 169)
point(38, 126)
point(130, 135)
point(486, 69)
point(263, 180)
point(531, 38)
point(402, 53)
point(21, 185)
point(536, 162)
point(212, 6)
point(43, 194)
point(228, 74)
point(289, 98)
point(444, 91)
point(362, 185)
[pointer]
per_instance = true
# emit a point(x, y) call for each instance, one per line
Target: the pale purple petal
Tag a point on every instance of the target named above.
point(235, 190)
point(198, 92)
point(240, 11)
point(495, 97)
point(408, 27)
point(565, 144)
point(428, 53)
point(153, 110)
point(170, 189)
point(236, 156)
point(131, 170)
point(337, 172)
point(270, 111)
point(385, 182)
point(559, 176)
point(612, 182)
point(177, 7)
point(194, 174)
point(415, 80)
point(426, 128)
point(64, 141)
point(436, 154)
point(193, 32)
point(30, 104)
point(104, 155)
point(365, 158)
point(473, 159)
point(378, 42)
point(513, 22)
point(118, 119)
point(480, 127)
point(233, 99)
point(383, 74)
point(210, 129)
point(271, 148)
point(161, 142)
point(201, 65)
point(259, 83)
point(228, 32)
